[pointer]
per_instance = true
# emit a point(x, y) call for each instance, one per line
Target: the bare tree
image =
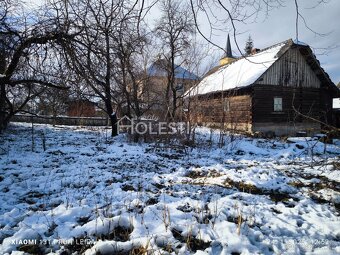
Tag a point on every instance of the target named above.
point(27, 43)
point(228, 15)
point(129, 74)
point(174, 29)
point(52, 102)
point(30, 53)
point(101, 52)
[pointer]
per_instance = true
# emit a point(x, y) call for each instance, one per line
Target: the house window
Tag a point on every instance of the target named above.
point(226, 106)
point(180, 88)
point(277, 104)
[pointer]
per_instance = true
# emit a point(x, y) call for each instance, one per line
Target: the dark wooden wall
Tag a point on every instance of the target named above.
point(304, 100)
point(291, 70)
point(326, 102)
point(292, 78)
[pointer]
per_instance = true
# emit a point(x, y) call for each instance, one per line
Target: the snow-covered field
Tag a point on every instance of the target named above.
point(87, 193)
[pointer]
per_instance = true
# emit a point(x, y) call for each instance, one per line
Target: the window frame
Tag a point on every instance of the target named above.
point(226, 105)
point(277, 106)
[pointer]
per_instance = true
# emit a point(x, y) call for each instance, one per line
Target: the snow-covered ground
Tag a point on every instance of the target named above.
point(87, 193)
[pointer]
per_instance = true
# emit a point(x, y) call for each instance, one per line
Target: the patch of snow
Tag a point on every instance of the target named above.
point(329, 195)
point(249, 196)
point(336, 103)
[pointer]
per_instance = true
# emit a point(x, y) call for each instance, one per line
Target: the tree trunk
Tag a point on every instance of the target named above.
point(114, 124)
point(3, 123)
point(2, 91)
point(174, 103)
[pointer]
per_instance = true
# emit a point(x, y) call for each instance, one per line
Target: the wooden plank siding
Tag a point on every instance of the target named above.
point(304, 100)
point(326, 102)
point(291, 70)
point(213, 110)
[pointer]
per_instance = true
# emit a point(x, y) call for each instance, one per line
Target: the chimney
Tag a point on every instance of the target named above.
point(254, 51)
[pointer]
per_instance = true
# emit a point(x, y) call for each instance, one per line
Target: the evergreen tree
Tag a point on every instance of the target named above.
point(249, 45)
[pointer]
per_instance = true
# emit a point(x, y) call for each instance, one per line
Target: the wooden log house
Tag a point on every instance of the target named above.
point(280, 90)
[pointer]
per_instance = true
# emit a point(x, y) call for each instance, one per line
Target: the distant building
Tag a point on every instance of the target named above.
point(155, 93)
point(281, 89)
point(81, 108)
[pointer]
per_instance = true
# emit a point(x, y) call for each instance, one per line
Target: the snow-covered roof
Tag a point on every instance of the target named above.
point(158, 68)
point(240, 73)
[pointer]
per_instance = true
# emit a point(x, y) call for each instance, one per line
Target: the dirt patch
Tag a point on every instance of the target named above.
point(205, 219)
point(34, 194)
point(152, 201)
point(119, 233)
point(32, 197)
point(194, 174)
point(280, 197)
point(57, 152)
point(159, 185)
point(140, 250)
point(83, 220)
point(336, 164)
point(318, 199)
point(235, 219)
point(244, 187)
point(276, 211)
point(51, 229)
point(185, 208)
point(323, 183)
point(274, 195)
point(31, 249)
point(128, 187)
point(194, 244)
point(111, 181)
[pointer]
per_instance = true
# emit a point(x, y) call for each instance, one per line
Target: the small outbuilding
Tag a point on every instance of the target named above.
point(81, 108)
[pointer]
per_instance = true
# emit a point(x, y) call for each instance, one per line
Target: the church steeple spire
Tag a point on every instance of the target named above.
point(228, 52)
point(227, 57)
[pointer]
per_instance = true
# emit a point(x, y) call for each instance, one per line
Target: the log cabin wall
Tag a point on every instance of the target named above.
point(288, 121)
point(231, 110)
point(326, 101)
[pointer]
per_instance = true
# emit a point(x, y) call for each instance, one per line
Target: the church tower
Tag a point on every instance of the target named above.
point(227, 56)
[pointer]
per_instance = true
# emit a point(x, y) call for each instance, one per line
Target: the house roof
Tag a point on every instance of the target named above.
point(159, 67)
point(245, 71)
